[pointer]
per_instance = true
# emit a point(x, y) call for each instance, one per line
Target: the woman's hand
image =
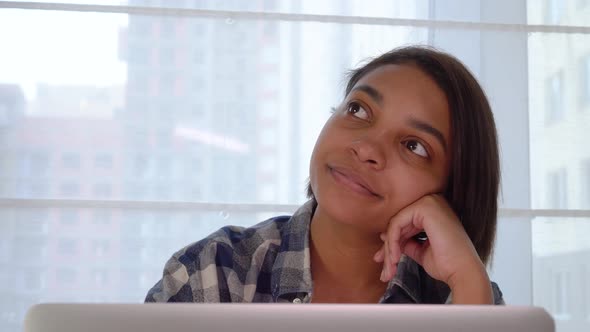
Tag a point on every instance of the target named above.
point(447, 255)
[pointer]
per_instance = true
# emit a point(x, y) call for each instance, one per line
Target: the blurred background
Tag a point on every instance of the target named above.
point(129, 129)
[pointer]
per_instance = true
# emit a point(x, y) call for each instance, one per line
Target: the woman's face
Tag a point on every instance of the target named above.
point(385, 146)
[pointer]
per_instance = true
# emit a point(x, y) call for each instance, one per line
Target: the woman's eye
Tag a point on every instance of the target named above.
point(417, 148)
point(358, 111)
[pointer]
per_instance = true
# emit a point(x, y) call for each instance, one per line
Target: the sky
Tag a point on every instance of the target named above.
point(33, 43)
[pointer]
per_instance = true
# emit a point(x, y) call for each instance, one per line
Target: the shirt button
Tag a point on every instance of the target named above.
point(297, 300)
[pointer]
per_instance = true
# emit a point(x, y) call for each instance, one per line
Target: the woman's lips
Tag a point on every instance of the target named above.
point(353, 181)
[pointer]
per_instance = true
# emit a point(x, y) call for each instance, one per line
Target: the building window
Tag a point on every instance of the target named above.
point(270, 30)
point(67, 247)
point(69, 189)
point(135, 190)
point(267, 193)
point(141, 166)
point(586, 184)
point(33, 221)
point(66, 276)
point(33, 280)
point(71, 160)
point(554, 10)
point(4, 115)
point(69, 216)
point(104, 161)
point(554, 92)
point(561, 294)
point(102, 217)
point(102, 190)
point(38, 189)
point(100, 277)
point(39, 164)
point(585, 291)
point(198, 29)
point(198, 57)
point(166, 85)
point(163, 166)
point(166, 57)
point(585, 72)
point(140, 26)
point(167, 28)
point(100, 247)
point(557, 189)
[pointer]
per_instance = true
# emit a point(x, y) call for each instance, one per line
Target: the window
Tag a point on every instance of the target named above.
point(39, 164)
point(141, 166)
point(167, 28)
point(166, 85)
point(268, 137)
point(585, 183)
point(38, 189)
point(66, 276)
point(102, 217)
point(555, 10)
point(275, 78)
point(198, 29)
point(270, 30)
point(267, 192)
point(71, 161)
point(4, 115)
point(103, 161)
point(69, 189)
point(139, 56)
point(102, 190)
point(163, 166)
point(585, 81)
point(555, 107)
point(268, 164)
point(585, 291)
point(140, 26)
point(67, 247)
point(32, 221)
point(167, 57)
point(100, 277)
point(198, 57)
point(557, 189)
point(100, 247)
point(561, 294)
point(34, 279)
point(69, 216)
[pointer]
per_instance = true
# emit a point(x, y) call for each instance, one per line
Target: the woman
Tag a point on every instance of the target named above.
point(403, 186)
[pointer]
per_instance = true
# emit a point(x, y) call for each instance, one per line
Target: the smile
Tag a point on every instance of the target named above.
point(352, 182)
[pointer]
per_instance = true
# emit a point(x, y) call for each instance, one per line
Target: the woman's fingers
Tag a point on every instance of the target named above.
point(399, 233)
point(415, 250)
point(379, 255)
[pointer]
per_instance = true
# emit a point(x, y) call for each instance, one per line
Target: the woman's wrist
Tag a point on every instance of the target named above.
point(472, 286)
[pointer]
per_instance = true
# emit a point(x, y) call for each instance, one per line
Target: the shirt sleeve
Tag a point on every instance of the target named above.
point(498, 297)
point(174, 285)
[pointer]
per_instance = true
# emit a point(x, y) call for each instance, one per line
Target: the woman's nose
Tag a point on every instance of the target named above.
point(369, 151)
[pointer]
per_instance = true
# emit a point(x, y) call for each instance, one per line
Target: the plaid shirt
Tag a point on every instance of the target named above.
point(270, 262)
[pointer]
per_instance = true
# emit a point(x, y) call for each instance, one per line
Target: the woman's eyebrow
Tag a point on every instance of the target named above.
point(372, 92)
point(425, 127)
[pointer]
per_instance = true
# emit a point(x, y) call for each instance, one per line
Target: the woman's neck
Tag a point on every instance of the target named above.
point(342, 257)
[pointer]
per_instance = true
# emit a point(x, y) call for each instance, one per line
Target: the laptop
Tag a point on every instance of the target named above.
point(173, 317)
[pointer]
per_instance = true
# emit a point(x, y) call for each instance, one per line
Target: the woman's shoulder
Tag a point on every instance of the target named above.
point(231, 241)
point(200, 271)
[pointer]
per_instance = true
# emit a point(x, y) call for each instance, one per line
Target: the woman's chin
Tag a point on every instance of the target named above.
point(353, 212)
